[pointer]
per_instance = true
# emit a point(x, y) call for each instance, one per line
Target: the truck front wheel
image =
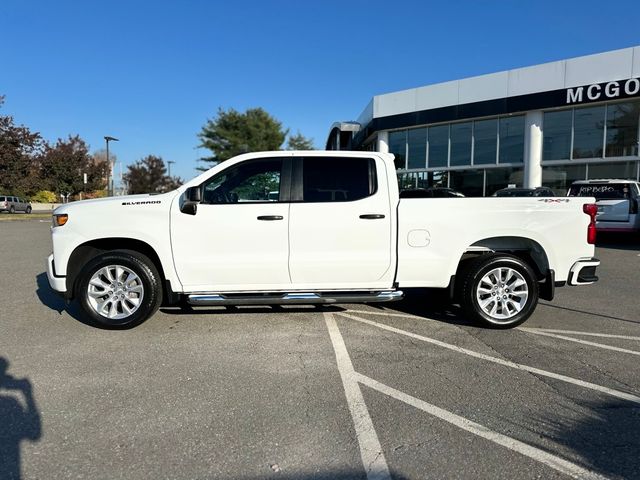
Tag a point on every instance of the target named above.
point(120, 288)
point(499, 291)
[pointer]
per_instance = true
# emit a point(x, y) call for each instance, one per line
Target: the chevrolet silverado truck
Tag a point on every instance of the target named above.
point(315, 227)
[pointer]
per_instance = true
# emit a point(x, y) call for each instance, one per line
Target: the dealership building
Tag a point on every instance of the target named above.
point(543, 125)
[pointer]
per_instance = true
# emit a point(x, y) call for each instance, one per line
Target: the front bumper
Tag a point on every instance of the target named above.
point(583, 272)
point(57, 282)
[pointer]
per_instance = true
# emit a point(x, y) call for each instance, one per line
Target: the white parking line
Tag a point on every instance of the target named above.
point(577, 340)
point(373, 459)
point(522, 448)
point(387, 314)
point(507, 363)
point(574, 332)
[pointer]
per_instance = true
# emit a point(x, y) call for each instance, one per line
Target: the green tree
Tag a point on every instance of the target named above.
point(299, 142)
point(20, 151)
point(64, 164)
point(149, 175)
point(232, 133)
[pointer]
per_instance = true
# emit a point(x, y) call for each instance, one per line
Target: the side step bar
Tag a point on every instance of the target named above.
point(294, 298)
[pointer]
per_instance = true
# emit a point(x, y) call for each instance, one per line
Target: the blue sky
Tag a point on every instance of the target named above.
point(152, 72)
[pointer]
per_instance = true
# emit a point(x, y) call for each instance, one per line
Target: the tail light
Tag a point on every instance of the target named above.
point(591, 209)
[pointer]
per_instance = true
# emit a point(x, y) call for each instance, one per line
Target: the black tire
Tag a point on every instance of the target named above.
point(12, 209)
point(138, 264)
point(506, 314)
point(28, 210)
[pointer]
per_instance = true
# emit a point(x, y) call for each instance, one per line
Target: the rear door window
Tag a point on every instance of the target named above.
point(608, 191)
point(336, 179)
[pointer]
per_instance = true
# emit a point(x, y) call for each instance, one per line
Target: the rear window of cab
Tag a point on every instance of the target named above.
point(606, 191)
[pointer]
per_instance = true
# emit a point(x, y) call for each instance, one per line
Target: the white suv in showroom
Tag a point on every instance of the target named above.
point(617, 202)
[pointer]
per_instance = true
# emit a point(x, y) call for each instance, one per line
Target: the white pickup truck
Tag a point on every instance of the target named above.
point(315, 227)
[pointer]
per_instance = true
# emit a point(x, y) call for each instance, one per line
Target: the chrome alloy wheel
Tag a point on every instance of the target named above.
point(115, 292)
point(502, 293)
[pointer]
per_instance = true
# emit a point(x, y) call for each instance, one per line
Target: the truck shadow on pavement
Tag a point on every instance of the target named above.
point(433, 304)
point(51, 299)
point(189, 310)
point(19, 420)
point(426, 303)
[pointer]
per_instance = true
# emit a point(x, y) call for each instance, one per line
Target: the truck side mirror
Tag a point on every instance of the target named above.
point(194, 194)
point(192, 197)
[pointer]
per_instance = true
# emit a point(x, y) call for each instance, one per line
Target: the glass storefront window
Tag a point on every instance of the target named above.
point(468, 182)
point(438, 179)
point(557, 135)
point(417, 144)
point(512, 139)
point(398, 146)
point(624, 170)
point(588, 132)
point(485, 142)
point(438, 146)
point(407, 181)
point(498, 178)
point(560, 178)
point(460, 144)
point(423, 180)
point(622, 129)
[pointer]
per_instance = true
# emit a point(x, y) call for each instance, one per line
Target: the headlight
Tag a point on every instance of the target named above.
point(60, 220)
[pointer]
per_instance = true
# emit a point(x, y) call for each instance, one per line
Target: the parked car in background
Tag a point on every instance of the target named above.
point(431, 192)
point(525, 192)
point(617, 202)
point(13, 204)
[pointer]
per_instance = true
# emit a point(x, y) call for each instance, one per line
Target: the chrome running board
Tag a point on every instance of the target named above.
point(302, 298)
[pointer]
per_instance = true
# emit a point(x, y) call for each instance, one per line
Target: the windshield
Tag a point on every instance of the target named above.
point(601, 191)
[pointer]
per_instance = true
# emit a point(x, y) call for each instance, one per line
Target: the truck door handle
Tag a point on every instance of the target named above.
point(372, 216)
point(270, 217)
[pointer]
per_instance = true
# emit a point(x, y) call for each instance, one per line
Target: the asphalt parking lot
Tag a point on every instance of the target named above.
point(405, 391)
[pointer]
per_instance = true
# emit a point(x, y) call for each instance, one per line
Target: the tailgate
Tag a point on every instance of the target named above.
point(613, 210)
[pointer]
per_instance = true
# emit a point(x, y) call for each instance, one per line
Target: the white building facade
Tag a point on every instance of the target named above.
point(544, 125)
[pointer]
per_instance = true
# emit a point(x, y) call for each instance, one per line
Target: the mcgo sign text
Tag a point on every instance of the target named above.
point(604, 91)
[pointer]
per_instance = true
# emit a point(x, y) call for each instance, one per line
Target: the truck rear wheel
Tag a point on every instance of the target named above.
point(121, 288)
point(499, 291)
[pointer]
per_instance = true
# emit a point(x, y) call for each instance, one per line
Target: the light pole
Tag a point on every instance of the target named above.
point(169, 162)
point(110, 180)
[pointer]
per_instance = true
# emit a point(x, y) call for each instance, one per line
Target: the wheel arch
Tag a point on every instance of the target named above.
point(84, 252)
point(527, 249)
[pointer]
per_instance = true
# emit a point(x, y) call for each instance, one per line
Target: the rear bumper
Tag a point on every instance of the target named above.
point(616, 229)
point(57, 282)
point(583, 272)
point(629, 226)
